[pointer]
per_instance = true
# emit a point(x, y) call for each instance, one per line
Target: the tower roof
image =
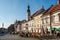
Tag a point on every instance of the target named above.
point(28, 10)
point(28, 6)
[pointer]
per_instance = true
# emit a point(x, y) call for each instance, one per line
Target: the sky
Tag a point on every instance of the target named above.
point(12, 10)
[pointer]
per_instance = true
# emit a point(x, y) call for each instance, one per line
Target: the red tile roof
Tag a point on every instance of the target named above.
point(52, 8)
point(38, 12)
point(47, 10)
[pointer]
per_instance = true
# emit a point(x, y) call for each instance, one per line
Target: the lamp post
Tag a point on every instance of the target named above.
point(42, 30)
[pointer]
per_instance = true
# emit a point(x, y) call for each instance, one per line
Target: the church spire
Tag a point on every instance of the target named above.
point(42, 7)
point(28, 12)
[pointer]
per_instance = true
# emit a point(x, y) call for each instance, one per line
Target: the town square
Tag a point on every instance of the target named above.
point(30, 20)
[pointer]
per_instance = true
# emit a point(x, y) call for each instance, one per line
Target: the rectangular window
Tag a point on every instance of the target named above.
point(59, 16)
point(32, 24)
point(42, 21)
point(52, 18)
point(46, 20)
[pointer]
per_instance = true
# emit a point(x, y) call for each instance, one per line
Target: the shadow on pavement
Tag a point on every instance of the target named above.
point(3, 33)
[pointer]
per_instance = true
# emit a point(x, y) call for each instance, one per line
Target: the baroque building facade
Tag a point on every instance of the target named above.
point(42, 20)
point(33, 22)
point(51, 18)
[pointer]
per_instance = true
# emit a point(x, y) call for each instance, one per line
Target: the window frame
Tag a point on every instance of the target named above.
point(59, 16)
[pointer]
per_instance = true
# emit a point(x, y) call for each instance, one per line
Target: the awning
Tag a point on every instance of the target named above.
point(57, 29)
point(53, 29)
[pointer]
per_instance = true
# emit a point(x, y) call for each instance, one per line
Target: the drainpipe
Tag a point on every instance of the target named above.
point(50, 25)
point(42, 29)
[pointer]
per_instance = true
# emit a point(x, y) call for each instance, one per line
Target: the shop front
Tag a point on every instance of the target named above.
point(56, 28)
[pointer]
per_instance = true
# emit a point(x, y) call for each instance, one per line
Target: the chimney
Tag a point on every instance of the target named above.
point(58, 2)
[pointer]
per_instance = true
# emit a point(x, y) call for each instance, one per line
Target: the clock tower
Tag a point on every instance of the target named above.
point(28, 13)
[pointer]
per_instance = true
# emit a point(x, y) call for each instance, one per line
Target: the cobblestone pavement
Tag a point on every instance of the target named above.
point(50, 39)
point(15, 37)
